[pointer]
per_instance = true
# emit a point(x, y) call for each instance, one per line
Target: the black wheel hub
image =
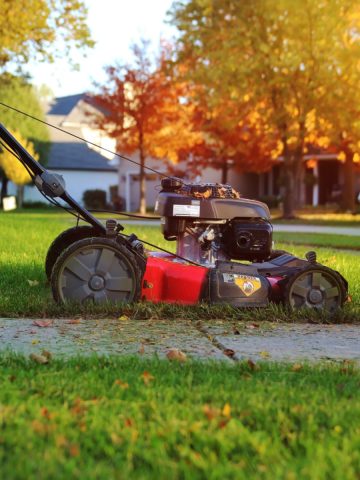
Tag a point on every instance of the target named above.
point(97, 282)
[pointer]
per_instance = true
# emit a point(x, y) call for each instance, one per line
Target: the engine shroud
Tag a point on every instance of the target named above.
point(210, 222)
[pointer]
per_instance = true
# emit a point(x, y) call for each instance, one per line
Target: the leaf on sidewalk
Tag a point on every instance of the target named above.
point(42, 323)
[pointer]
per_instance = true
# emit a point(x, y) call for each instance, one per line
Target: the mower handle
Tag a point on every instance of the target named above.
point(40, 173)
point(25, 156)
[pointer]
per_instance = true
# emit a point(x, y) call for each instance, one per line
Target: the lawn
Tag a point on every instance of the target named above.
point(313, 216)
point(26, 236)
point(130, 418)
point(346, 242)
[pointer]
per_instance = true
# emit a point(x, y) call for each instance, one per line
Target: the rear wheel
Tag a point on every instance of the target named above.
point(96, 269)
point(317, 288)
point(63, 241)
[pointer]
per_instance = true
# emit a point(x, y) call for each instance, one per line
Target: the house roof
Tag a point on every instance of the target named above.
point(63, 105)
point(67, 152)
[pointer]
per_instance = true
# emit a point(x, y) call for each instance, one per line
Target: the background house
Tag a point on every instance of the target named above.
point(83, 166)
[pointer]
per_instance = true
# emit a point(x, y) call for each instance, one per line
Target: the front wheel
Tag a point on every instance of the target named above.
point(317, 287)
point(98, 270)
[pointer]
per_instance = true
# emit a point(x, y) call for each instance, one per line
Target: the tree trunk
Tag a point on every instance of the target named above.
point(20, 196)
point(293, 174)
point(348, 193)
point(142, 179)
point(289, 189)
point(4, 187)
point(224, 172)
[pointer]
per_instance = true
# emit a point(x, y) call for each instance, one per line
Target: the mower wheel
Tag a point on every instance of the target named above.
point(317, 287)
point(96, 269)
point(63, 241)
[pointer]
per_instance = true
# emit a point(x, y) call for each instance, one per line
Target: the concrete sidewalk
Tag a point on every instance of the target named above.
point(215, 340)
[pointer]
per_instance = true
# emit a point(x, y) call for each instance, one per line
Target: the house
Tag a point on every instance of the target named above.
point(82, 165)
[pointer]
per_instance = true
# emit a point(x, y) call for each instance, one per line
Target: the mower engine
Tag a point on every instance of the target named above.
point(216, 229)
point(210, 223)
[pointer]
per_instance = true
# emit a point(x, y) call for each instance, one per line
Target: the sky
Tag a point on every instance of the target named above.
point(114, 25)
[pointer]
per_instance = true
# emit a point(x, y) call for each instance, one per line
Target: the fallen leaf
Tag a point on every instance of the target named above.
point(46, 354)
point(226, 411)
point(33, 283)
point(176, 354)
point(223, 422)
point(296, 367)
point(121, 384)
point(210, 412)
point(142, 349)
point(147, 377)
point(128, 422)
point(229, 352)
point(39, 358)
point(74, 321)
point(251, 364)
point(253, 325)
point(265, 354)
point(35, 341)
point(42, 323)
point(74, 450)
point(60, 441)
point(124, 318)
point(45, 413)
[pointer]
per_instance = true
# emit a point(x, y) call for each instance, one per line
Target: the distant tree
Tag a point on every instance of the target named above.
point(19, 93)
point(146, 111)
point(283, 54)
point(13, 169)
point(232, 135)
point(41, 29)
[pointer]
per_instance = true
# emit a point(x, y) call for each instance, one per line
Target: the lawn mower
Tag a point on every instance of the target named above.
point(224, 251)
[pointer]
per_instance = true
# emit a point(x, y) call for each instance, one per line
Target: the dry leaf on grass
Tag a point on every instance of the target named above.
point(33, 283)
point(226, 411)
point(39, 358)
point(46, 354)
point(121, 384)
point(147, 377)
point(176, 354)
point(252, 365)
point(296, 367)
point(124, 318)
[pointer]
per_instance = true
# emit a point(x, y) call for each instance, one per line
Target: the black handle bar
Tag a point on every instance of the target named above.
point(38, 171)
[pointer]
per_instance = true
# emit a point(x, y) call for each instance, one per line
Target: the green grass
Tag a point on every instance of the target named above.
point(96, 418)
point(346, 242)
point(320, 216)
point(26, 236)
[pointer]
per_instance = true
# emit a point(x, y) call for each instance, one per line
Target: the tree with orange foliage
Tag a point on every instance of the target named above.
point(146, 111)
point(233, 134)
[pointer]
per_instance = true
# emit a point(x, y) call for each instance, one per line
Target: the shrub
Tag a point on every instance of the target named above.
point(95, 199)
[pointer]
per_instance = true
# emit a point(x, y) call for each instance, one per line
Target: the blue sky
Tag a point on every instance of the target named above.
point(114, 25)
